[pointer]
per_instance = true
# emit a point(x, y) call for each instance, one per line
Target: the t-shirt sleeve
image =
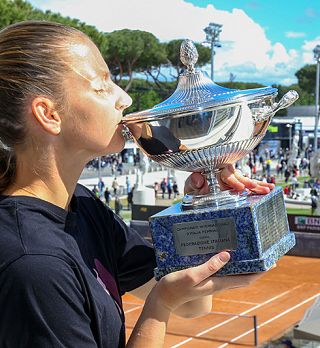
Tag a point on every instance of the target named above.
point(44, 305)
point(135, 257)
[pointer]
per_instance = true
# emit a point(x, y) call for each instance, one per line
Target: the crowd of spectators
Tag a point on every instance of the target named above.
point(168, 187)
point(115, 162)
point(285, 169)
point(266, 165)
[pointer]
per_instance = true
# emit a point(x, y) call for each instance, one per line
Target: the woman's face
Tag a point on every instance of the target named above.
point(94, 104)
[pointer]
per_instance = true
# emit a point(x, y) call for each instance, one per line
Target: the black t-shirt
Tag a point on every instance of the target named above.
point(62, 273)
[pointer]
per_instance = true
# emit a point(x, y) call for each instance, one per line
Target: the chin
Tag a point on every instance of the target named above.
point(116, 144)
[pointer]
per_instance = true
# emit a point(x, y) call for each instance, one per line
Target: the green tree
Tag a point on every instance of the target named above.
point(13, 11)
point(145, 94)
point(240, 85)
point(17, 11)
point(307, 78)
point(132, 51)
point(173, 54)
point(305, 98)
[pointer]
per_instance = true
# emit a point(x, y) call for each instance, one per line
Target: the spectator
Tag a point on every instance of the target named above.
point(101, 187)
point(254, 170)
point(95, 190)
point(287, 174)
point(128, 185)
point(261, 161)
point(268, 166)
point(294, 182)
point(130, 198)
point(120, 168)
point(107, 196)
point(175, 189)
point(278, 168)
point(156, 189)
point(163, 186)
point(286, 190)
point(317, 184)
point(169, 188)
point(117, 205)
point(115, 186)
point(314, 203)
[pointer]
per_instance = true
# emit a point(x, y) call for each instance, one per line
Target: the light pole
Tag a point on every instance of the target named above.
point(212, 37)
point(290, 134)
point(316, 52)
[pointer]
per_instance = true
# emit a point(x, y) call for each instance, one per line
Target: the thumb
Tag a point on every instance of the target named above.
point(194, 183)
point(212, 266)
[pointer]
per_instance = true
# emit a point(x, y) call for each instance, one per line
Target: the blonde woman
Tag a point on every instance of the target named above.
point(65, 258)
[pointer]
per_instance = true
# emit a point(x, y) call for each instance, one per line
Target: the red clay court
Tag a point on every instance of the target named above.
point(277, 301)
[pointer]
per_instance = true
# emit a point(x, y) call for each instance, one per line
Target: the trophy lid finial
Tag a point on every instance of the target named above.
point(189, 55)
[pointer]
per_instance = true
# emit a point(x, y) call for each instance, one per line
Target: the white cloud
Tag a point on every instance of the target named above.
point(307, 50)
point(294, 34)
point(246, 51)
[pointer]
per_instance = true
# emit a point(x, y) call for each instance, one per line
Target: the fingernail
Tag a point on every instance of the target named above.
point(224, 256)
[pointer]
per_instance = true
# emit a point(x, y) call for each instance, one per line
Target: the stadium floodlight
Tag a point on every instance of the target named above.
point(316, 52)
point(212, 37)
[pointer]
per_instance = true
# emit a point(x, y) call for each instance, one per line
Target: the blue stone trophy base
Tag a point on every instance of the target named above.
point(255, 231)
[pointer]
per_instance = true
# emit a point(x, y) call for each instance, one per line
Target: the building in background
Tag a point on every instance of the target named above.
point(283, 128)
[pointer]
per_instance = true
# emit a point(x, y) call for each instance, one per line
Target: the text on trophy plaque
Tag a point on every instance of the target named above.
point(206, 236)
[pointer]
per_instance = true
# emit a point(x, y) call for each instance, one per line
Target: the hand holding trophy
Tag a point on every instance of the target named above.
point(203, 127)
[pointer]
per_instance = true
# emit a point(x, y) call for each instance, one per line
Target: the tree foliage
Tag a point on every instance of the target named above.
point(240, 85)
point(173, 54)
point(307, 78)
point(18, 10)
point(132, 51)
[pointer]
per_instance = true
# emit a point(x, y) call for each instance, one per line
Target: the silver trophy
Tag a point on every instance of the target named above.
point(203, 127)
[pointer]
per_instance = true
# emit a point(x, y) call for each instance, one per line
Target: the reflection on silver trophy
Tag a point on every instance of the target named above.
point(202, 127)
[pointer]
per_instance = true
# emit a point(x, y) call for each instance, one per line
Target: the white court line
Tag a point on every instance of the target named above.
point(270, 320)
point(132, 309)
point(237, 316)
point(245, 302)
point(132, 303)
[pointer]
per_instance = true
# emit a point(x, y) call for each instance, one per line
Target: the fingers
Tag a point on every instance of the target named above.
point(216, 284)
point(233, 178)
point(262, 187)
point(200, 273)
point(180, 287)
point(228, 178)
point(196, 183)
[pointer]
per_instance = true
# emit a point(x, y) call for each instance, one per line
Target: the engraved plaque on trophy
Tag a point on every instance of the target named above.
point(203, 127)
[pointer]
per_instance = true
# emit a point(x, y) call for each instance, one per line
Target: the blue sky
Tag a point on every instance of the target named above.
point(262, 41)
point(289, 22)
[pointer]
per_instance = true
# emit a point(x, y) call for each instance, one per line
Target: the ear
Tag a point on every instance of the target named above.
point(46, 115)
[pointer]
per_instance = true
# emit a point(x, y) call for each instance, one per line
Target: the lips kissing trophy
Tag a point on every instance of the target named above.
point(203, 127)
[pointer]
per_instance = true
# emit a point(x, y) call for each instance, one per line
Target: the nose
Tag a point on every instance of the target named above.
point(124, 100)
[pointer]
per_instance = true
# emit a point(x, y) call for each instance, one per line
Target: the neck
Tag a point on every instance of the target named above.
point(55, 181)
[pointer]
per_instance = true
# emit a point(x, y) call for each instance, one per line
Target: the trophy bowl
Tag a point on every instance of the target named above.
point(203, 127)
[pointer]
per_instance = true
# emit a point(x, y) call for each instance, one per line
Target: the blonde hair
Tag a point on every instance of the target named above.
point(32, 62)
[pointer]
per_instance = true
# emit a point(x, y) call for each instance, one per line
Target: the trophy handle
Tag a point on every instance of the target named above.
point(126, 133)
point(264, 113)
point(288, 99)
